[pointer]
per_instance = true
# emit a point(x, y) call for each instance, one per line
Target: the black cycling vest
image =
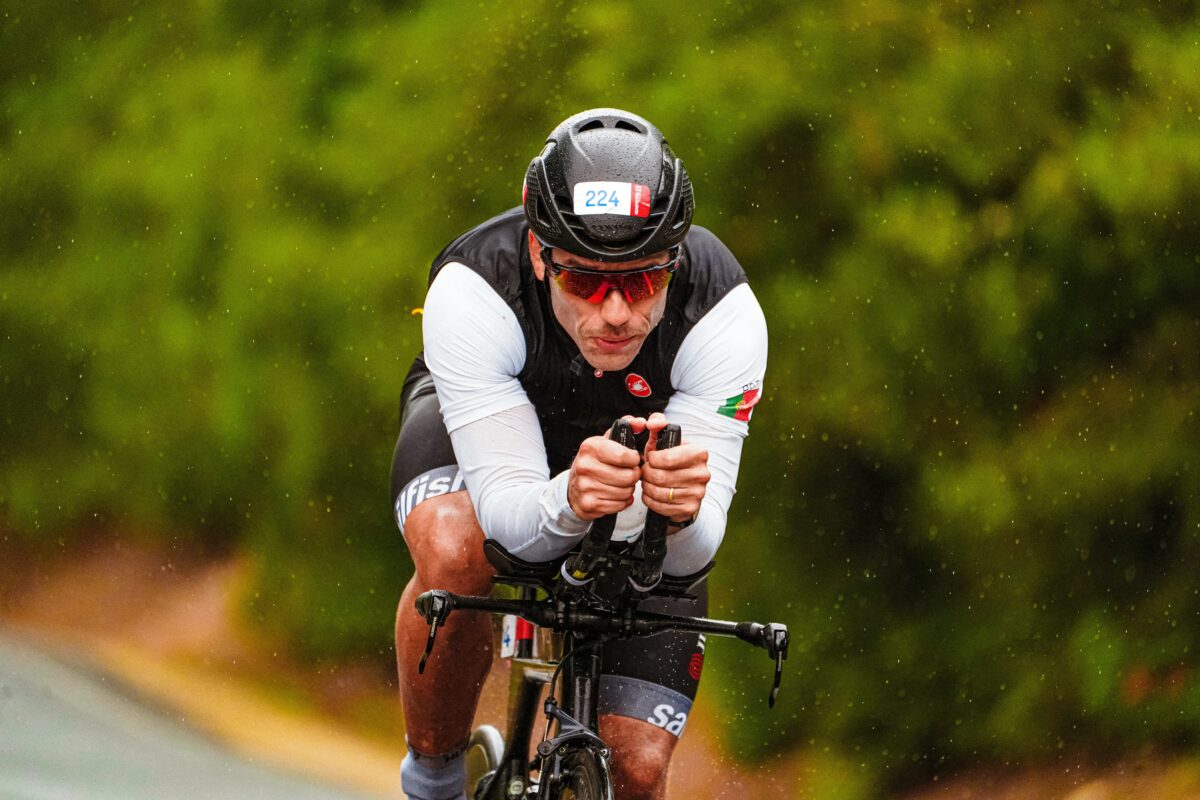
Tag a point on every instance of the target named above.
point(572, 403)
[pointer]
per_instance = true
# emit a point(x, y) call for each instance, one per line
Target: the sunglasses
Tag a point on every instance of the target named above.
point(594, 285)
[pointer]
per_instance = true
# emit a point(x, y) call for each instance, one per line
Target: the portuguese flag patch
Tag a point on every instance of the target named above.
point(740, 406)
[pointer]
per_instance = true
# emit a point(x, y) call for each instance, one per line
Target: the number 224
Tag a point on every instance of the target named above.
point(599, 198)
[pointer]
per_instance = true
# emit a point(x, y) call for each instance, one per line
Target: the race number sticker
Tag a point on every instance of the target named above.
point(611, 197)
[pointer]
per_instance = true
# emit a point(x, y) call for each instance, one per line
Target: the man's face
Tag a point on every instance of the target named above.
point(610, 333)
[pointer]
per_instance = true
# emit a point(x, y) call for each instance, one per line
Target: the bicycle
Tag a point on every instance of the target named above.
point(586, 598)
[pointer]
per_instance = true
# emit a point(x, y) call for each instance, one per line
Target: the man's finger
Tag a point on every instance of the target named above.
point(610, 475)
point(637, 423)
point(667, 494)
point(654, 425)
point(679, 457)
point(612, 453)
point(697, 476)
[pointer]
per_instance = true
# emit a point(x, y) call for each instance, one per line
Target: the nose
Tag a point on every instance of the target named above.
point(614, 309)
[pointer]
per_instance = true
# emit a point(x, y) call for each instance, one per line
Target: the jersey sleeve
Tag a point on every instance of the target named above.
point(717, 376)
point(473, 346)
point(518, 504)
point(718, 372)
point(475, 349)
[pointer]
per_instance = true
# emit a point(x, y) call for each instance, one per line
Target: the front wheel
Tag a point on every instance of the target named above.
point(583, 776)
point(484, 751)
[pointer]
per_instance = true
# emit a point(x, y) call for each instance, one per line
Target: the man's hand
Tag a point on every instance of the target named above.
point(673, 481)
point(602, 478)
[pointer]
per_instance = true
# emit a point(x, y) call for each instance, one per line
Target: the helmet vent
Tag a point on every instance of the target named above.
point(627, 126)
point(543, 214)
point(591, 126)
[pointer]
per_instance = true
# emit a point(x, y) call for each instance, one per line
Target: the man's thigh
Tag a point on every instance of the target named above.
point(654, 679)
point(423, 463)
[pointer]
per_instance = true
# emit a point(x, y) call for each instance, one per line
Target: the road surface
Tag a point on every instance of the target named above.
point(69, 733)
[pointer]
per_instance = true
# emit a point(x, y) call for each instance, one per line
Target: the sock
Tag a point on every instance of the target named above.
point(425, 777)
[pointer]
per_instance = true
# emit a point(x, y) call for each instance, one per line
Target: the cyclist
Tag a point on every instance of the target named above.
point(595, 299)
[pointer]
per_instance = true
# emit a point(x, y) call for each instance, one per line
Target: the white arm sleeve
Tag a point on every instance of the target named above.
point(717, 376)
point(475, 349)
point(503, 461)
point(473, 346)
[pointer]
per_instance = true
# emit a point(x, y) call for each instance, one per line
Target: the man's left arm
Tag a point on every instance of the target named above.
point(717, 376)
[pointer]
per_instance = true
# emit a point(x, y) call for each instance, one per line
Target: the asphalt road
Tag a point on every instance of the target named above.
point(68, 733)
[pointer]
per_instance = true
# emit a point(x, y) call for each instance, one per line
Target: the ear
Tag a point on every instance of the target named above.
point(535, 255)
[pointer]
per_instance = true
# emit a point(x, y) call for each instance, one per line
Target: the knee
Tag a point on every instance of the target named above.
point(446, 544)
point(639, 767)
point(638, 776)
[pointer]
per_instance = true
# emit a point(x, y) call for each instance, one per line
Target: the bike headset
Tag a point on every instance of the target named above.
point(610, 145)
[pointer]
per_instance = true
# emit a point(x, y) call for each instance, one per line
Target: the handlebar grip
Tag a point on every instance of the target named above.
point(578, 569)
point(654, 535)
point(622, 433)
point(669, 437)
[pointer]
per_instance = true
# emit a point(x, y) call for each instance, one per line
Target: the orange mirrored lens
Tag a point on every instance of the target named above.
point(594, 288)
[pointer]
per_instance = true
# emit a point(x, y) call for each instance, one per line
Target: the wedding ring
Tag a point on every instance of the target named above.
point(671, 496)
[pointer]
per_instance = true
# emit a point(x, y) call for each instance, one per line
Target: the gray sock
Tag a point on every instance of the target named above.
point(425, 777)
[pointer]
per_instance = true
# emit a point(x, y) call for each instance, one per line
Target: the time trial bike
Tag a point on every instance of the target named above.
point(581, 601)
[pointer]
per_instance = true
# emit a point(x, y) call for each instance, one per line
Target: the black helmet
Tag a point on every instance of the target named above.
point(607, 187)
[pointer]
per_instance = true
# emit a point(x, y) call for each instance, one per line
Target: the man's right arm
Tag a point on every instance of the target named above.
point(475, 349)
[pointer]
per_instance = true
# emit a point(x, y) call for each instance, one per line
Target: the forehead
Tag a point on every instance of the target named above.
point(569, 259)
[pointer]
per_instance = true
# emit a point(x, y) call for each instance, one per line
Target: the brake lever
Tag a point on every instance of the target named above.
point(776, 639)
point(434, 606)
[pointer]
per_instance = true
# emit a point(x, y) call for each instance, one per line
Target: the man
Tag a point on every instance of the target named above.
point(594, 300)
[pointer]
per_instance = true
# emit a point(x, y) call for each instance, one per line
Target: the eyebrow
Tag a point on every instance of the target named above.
point(624, 265)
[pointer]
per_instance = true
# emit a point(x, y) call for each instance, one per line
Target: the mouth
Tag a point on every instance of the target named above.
point(612, 345)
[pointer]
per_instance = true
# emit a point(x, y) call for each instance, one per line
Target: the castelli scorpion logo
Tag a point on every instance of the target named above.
point(637, 385)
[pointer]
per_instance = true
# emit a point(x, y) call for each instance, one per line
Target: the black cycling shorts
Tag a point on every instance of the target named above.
point(652, 678)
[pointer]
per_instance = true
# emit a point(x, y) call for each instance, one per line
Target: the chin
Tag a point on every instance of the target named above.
point(610, 362)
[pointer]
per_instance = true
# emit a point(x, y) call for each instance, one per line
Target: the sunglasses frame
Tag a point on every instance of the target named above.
point(675, 255)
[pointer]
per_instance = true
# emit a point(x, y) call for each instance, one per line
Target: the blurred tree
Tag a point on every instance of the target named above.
point(973, 488)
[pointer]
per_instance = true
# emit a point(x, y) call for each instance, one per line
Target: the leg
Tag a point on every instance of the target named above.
point(646, 691)
point(446, 544)
point(641, 753)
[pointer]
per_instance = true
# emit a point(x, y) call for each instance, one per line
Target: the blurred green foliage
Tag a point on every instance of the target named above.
point(973, 490)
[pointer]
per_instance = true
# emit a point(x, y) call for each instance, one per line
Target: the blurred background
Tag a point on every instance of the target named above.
point(972, 489)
